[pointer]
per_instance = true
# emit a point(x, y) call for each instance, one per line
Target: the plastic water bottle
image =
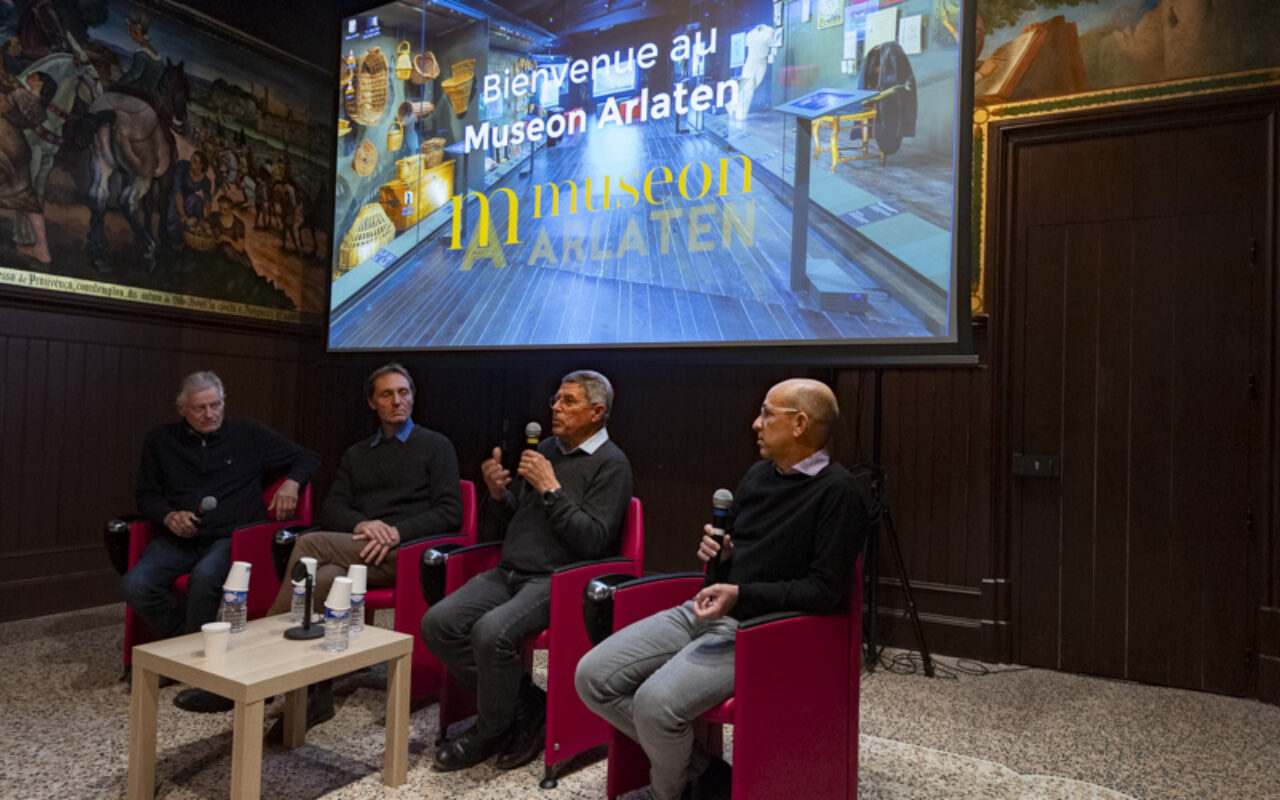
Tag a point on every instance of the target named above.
point(234, 609)
point(298, 606)
point(357, 613)
point(337, 625)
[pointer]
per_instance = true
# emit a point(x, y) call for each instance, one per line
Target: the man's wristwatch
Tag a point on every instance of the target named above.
point(551, 496)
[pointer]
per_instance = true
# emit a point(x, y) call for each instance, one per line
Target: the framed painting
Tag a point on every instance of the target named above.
point(830, 13)
point(150, 155)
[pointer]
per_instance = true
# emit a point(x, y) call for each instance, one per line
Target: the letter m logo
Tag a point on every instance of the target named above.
point(484, 222)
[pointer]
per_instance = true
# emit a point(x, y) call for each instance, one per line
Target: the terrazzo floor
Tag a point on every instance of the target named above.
point(1008, 735)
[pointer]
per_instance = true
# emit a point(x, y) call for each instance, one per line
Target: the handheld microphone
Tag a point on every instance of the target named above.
point(721, 501)
point(207, 504)
point(532, 432)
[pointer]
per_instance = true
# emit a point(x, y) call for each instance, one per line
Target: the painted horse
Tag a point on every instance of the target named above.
point(134, 139)
point(77, 81)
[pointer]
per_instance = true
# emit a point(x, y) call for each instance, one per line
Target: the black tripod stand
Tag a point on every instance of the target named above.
point(872, 477)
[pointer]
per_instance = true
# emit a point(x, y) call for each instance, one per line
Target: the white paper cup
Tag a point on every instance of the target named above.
point(216, 636)
point(311, 568)
point(357, 573)
point(238, 577)
point(339, 594)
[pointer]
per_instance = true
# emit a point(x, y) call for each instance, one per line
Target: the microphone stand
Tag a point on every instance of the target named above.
point(306, 630)
point(871, 559)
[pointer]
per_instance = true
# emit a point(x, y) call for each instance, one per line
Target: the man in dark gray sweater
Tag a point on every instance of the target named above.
point(796, 526)
point(398, 486)
point(567, 505)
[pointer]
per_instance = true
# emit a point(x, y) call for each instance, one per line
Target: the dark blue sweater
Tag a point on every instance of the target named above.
point(180, 467)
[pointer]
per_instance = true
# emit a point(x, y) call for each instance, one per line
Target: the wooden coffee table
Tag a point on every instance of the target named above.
point(260, 663)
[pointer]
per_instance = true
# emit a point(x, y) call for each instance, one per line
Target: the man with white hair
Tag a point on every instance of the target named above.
point(204, 455)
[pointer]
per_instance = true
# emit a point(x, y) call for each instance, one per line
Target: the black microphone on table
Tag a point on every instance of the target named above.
point(721, 501)
point(305, 630)
point(207, 504)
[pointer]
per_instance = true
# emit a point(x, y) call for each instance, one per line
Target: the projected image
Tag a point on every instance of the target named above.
point(619, 77)
point(745, 176)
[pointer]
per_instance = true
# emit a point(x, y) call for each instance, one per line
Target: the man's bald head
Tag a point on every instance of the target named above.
point(818, 403)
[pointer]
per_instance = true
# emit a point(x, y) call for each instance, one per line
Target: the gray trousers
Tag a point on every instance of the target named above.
point(651, 679)
point(479, 633)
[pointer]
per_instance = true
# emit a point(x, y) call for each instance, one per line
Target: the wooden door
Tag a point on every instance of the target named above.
point(1137, 315)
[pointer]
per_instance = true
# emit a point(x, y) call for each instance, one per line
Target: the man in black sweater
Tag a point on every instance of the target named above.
point(204, 455)
point(392, 489)
point(567, 505)
point(796, 526)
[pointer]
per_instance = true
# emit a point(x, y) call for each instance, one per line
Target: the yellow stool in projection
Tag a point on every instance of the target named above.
point(840, 123)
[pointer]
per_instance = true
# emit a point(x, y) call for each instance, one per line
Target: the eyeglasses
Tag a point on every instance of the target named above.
point(766, 410)
point(565, 400)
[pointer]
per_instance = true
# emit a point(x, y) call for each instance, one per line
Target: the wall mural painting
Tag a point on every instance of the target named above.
point(148, 156)
point(1033, 49)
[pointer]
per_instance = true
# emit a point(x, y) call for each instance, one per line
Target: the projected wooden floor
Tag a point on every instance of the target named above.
point(711, 270)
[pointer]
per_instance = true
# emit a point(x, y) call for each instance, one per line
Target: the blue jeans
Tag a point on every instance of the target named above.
point(479, 632)
point(148, 586)
point(651, 679)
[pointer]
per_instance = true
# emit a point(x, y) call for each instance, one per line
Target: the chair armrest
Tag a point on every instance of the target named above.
point(776, 616)
point(448, 537)
point(445, 567)
point(282, 544)
point(568, 631)
point(432, 562)
point(635, 600)
point(616, 561)
point(116, 537)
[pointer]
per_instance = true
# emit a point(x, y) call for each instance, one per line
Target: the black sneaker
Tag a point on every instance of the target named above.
point(529, 731)
point(468, 750)
point(202, 702)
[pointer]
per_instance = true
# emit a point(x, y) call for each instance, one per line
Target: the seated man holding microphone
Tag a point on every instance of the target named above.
point(796, 525)
point(393, 488)
point(567, 505)
point(200, 478)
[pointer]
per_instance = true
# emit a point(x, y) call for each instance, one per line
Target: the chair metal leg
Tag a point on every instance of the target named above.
point(548, 778)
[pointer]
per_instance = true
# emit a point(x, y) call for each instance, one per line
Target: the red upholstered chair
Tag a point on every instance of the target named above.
point(795, 702)
point(128, 536)
point(407, 599)
point(571, 727)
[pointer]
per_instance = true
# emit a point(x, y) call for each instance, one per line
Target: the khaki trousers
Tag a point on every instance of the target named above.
point(333, 552)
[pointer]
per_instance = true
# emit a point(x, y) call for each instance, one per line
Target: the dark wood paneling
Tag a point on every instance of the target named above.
point(1152, 632)
point(77, 393)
